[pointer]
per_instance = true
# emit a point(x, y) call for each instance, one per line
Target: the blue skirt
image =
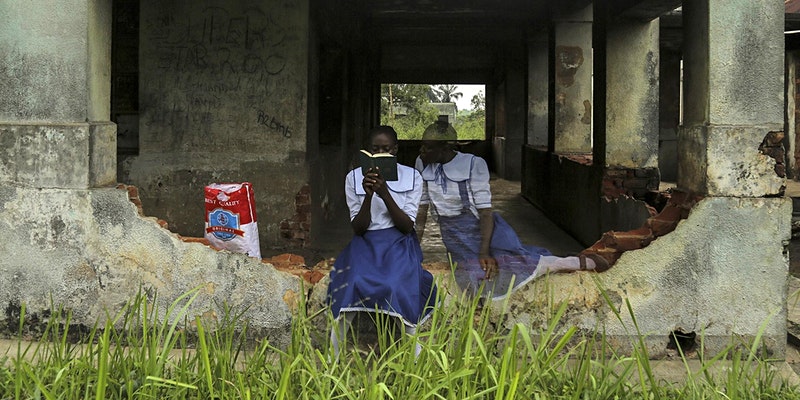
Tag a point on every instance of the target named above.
point(516, 262)
point(381, 271)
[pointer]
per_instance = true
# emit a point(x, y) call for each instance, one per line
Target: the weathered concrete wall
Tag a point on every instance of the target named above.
point(632, 95)
point(695, 279)
point(572, 195)
point(725, 160)
point(223, 98)
point(513, 114)
point(90, 252)
point(44, 56)
point(669, 104)
point(573, 82)
point(538, 90)
point(569, 192)
point(74, 155)
point(733, 96)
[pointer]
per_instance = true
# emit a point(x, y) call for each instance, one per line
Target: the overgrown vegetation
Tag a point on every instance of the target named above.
point(463, 357)
point(409, 108)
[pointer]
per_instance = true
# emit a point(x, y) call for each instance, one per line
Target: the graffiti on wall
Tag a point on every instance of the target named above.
point(213, 69)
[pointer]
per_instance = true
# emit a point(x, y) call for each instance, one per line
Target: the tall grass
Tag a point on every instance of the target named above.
point(136, 355)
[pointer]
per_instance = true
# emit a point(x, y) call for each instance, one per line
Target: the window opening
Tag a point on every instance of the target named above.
point(411, 107)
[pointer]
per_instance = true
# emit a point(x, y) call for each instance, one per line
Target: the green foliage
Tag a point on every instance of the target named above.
point(407, 108)
point(471, 125)
point(478, 102)
point(446, 93)
point(134, 355)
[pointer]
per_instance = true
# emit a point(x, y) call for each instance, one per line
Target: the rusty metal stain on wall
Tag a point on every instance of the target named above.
point(570, 58)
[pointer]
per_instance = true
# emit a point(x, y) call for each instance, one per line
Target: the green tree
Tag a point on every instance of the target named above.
point(407, 108)
point(479, 102)
point(446, 93)
point(472, 124)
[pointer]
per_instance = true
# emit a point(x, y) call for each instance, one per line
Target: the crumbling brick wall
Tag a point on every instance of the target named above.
point(632, 182)
point(296, 229)
point(612, 244)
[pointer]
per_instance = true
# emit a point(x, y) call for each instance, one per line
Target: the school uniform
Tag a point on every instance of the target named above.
point(381, 270)
point(455, 191)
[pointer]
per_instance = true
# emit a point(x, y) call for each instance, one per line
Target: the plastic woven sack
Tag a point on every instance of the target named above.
point(231, 222)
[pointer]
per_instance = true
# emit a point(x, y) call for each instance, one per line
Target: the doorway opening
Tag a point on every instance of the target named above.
point(411, 107)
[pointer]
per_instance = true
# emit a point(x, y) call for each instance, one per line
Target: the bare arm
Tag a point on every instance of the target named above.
point(375, 185)
point(364, 217)
point(422, 218)
point(399, 218)
point(488, 263)
point(361, 221)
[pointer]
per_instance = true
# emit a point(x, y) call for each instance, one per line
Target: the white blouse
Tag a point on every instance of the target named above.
point(406, 192)
point(441, 184)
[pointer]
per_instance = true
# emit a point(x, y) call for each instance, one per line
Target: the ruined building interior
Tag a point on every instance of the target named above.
point(590, 108)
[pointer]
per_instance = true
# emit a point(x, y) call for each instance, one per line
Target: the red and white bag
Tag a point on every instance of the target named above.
point(231, 218)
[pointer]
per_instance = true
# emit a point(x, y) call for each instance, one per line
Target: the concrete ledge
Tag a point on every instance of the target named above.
point(90, 252)
point(46, 155)
point(721, 275)
point(726, 161)
point(102, 154)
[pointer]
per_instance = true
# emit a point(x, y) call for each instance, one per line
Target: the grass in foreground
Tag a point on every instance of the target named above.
point(462, 358)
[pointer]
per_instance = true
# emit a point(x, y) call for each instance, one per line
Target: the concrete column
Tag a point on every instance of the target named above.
point(573, 82)
point(55, 97)
point(632, 95)
point(792, 113)
point(538, 89)
point(669, 109)
point(515, 112)
point(734, 92)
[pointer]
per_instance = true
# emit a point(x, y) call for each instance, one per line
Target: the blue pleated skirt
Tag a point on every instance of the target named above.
point(516, 262)
point(381, 271)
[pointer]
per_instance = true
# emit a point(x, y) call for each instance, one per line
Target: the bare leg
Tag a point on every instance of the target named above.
point(548, 264)
point(339, 331)
point(411, 331)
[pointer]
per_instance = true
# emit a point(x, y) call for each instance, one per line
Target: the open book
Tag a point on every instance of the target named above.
point(384, 163)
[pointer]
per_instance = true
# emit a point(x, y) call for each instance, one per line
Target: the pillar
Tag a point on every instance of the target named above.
point(572, 66)
point(632, 94)
point(733, 77)
point(733, 102)
point(55, 97)
point(669, 94)
point(538, 89)
point(515, 112)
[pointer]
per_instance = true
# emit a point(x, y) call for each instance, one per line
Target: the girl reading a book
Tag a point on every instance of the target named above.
point(380, 270)
point(487, 251)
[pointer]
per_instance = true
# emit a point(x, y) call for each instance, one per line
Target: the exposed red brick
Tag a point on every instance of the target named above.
point(296, 229)
point(133, 196)
point(632, 240)
point(774, 138)
point(661, 227)
point(313, 276)
point(189, 239)
point(286, 260)
point(671, 213)
point(612, 244)
point(580, 158)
